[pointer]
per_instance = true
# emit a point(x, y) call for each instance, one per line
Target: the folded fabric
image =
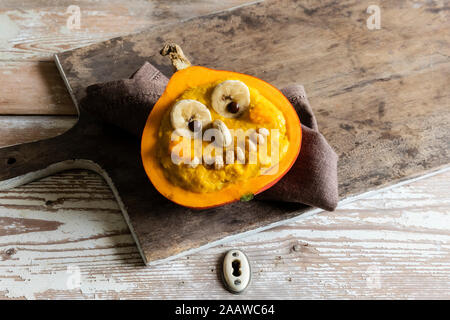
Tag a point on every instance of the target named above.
point(312, 180)
point(126, 103)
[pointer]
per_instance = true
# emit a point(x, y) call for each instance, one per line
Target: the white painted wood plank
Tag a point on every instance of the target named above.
point(395, 244)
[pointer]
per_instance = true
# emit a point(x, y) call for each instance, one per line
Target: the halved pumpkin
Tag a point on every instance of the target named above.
point(194, 76)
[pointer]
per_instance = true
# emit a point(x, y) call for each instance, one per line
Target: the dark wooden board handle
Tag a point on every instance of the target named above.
point(30, 161)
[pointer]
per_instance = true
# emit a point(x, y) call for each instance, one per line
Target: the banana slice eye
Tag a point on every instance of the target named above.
point(189, 114)
point(230, 98)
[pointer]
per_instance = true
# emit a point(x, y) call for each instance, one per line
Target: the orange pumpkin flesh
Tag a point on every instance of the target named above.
point(194, 76)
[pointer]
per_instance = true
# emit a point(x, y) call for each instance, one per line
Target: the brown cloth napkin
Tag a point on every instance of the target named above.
point(312, 179)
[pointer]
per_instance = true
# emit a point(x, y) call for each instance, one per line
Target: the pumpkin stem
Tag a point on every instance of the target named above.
point(176, 56)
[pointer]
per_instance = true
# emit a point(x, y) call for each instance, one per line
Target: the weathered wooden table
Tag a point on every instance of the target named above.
point(68, 227)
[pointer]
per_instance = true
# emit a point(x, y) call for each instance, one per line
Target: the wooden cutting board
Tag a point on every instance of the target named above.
point(381, 98)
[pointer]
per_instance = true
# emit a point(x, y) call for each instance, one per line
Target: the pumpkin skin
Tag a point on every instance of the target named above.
point(194, 76)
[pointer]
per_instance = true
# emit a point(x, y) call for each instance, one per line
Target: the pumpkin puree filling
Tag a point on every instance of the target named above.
point(261, 114)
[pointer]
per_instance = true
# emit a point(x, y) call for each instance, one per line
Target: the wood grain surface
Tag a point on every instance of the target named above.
point(387, 120)
point(395, 244)
point(79, 148)
point(381, 96)
point(405, 230)
point(33, 31)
